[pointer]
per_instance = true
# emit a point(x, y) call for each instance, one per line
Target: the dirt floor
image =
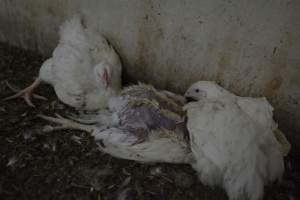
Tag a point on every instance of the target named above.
point(67, 164)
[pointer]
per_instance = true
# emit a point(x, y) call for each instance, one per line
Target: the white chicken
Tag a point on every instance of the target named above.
point(229, 148)
point(142, 124)
point(232, 140)
point(84, 69)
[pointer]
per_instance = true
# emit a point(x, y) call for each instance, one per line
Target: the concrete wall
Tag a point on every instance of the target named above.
point(250, 47)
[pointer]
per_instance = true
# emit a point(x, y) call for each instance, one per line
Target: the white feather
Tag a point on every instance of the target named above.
point(233, 142)
point(72, 68)
point(154, 149)
point(158, 145)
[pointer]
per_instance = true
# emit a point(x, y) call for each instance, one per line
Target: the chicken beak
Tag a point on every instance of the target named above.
point(189, 99)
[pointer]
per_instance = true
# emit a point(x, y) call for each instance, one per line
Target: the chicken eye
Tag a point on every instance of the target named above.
point(197, 90)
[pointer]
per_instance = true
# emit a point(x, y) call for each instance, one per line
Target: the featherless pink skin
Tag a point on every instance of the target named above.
point(105, 78)
point(103, 74)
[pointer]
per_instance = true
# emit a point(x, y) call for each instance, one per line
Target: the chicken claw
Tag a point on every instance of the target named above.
point(26, 93)
point(64, 124)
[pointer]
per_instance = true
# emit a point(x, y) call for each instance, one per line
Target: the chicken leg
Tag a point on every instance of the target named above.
point(65, 124)
point(26, 93)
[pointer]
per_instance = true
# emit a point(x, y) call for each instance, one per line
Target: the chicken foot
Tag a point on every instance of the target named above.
point(64, 124)
point(26, 93)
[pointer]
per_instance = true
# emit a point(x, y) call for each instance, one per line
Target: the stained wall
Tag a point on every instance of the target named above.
point(250, 47)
